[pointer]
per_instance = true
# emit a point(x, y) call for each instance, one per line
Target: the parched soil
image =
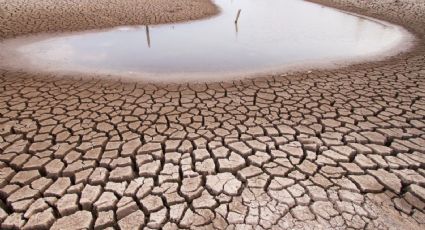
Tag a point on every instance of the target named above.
point(408, 13)
point(332, 149)
point(19, 17)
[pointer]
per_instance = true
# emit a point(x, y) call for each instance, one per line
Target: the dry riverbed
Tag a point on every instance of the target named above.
point(328, 149)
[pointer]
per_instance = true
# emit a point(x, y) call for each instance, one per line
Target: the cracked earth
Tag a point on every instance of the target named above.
point(328, 149)
point(21, 17)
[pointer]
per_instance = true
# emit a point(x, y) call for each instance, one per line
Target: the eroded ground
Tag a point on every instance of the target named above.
point(20, 17)
point(326, 149)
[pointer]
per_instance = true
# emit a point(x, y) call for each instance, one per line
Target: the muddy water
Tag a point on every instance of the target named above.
point(271, 35)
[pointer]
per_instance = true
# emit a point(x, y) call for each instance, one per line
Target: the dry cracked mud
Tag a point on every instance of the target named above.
point(328, 149)
point(20, 17)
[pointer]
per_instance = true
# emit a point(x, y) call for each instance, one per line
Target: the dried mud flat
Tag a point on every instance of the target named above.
point(330, 149)
point(20, 17)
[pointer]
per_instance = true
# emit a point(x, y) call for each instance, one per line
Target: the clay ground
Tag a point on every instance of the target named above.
point(331, 149)
point(22, 17)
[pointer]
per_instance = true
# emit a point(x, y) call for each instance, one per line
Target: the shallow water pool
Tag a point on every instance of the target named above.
point(271, 35)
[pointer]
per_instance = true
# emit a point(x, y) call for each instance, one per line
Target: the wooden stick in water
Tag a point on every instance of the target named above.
point(237, 15)
point(148, 36)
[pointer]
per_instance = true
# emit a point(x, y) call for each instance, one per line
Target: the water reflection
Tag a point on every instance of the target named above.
point(268, 35)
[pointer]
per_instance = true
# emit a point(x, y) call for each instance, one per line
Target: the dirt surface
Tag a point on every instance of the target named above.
point(408, 13)
point(19, 17)
point(330, 149)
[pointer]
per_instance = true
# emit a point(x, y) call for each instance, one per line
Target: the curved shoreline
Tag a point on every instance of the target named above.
point(402, 46)
point(47, 16)
point(210, 10)
point(409, 43)
point(408, 18)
